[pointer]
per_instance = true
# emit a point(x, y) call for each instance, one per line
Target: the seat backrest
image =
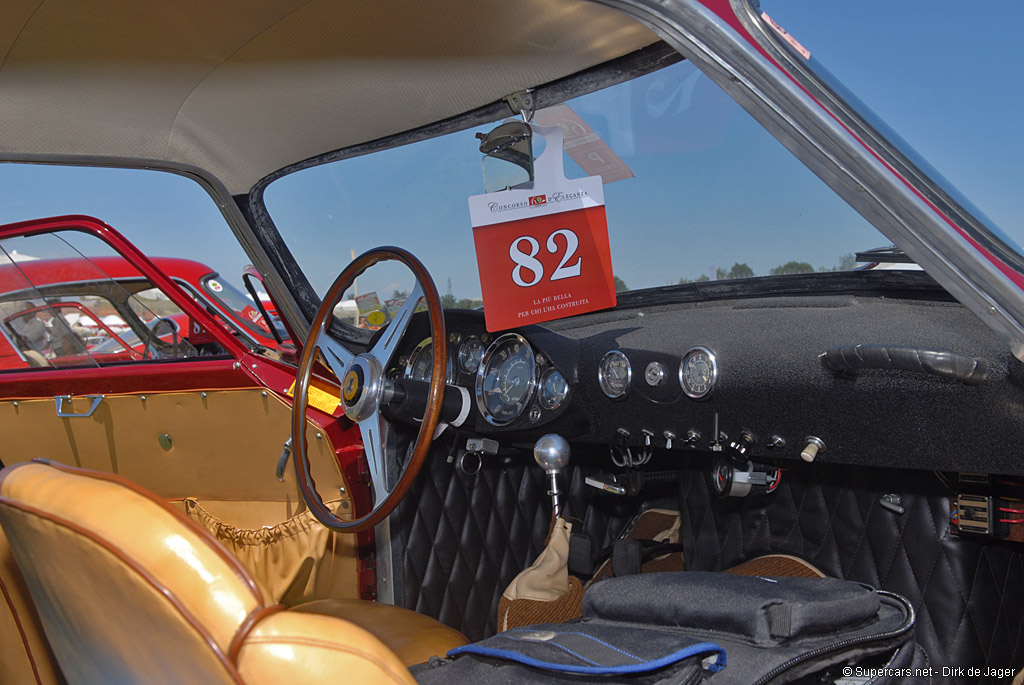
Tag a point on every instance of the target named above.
point(129, 589)
point(25, 655)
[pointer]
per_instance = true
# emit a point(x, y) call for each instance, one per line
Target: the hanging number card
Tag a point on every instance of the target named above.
point(542, 248)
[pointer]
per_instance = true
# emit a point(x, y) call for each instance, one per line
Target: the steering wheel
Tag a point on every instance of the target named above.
point(364, 389)
point(149, 345)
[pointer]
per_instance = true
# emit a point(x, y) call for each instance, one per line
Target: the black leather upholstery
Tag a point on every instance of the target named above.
point(969, 595)
point(461, 539)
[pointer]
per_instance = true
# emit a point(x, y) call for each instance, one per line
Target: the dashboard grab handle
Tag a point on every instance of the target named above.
point(937, 362)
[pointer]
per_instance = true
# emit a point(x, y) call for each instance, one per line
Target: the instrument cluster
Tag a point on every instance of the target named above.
point(514, 385)
point(508, 378)
point(697, 374)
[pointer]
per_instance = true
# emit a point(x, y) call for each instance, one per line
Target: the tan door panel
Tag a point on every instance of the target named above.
point(223, 444)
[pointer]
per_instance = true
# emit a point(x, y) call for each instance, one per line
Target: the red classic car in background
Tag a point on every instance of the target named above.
point(94, 309)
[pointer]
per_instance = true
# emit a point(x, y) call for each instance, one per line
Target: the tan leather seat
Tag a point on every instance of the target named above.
point(128, 589)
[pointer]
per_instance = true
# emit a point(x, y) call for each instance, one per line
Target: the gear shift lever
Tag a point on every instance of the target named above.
point(552, 454)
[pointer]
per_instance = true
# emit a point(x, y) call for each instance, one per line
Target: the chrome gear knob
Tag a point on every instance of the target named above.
point(552, 453)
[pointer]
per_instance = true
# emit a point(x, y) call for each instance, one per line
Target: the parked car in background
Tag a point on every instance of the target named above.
point(101, 309)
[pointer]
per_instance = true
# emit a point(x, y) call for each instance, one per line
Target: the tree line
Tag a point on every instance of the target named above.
point(743, 270)
point(738, 270)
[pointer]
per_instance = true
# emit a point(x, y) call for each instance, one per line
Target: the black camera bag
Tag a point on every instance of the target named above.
point(694, 627)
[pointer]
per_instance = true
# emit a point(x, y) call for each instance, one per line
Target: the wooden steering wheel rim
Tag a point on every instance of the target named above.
point(307, 486)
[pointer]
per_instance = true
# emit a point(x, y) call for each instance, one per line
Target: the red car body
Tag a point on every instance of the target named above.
point(26, 281)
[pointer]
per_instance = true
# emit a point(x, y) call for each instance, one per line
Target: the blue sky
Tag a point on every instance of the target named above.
point(946, 80)
point(944, 75)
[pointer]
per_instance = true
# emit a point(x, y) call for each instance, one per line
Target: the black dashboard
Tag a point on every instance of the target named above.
point(737, 365)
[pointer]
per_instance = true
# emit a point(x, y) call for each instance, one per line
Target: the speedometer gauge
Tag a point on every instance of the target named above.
point(421, 363)
point(506, 379)
point(614, 374)
point(698, 373)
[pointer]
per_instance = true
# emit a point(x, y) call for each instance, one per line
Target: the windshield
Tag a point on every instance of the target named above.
point(695, 190)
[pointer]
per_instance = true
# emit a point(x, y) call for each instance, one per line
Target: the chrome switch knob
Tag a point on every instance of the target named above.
point(811, 449)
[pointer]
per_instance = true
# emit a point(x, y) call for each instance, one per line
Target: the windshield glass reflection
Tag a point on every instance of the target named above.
point(695, 190)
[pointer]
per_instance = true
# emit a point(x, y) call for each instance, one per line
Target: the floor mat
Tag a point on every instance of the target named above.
point(663, 525)
point(777, 565)
point(652, 524)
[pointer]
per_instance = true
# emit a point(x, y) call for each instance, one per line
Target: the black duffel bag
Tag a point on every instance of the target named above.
point(694, 627)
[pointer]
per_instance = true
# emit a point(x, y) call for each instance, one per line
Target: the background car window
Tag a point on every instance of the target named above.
point(231, 298)
point(151, 303)
point(67, 300)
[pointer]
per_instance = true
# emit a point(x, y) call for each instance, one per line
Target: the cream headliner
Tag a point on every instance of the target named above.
point(241, 89)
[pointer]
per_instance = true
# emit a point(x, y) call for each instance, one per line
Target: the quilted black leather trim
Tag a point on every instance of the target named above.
point(461, 539)
point(968, 594)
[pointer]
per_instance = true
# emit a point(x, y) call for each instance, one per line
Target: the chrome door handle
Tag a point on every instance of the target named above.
point(61, 399)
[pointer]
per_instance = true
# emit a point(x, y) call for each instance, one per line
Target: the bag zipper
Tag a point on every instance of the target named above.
point(843, 644)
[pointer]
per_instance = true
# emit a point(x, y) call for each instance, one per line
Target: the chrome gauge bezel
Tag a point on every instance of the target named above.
point(414, 357)
point(654, 374)
point(547, 402)
point(684, 380)
point(481, 375)
point(602, 374)
point(463, 353)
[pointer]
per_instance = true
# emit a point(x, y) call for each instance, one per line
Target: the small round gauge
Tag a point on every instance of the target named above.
point(553, 389)
point(654, 374)
point(698, 372)
point(470, 354)
point(421, 363)
point(721, 477)
point(614, 374)
point(506, 379)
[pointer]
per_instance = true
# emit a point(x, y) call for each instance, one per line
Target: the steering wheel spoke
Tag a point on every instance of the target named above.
point(336, 356)
point(374, 431)
point(385, 348)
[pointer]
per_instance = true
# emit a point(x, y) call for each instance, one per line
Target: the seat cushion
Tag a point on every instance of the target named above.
point(413, 637)
point(293, 647)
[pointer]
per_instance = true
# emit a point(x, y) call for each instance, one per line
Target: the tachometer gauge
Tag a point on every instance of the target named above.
point(614, 374)
point(470, 354)
point(553, 389)
point(506, 379)
point(698, 373)
point(421, 363)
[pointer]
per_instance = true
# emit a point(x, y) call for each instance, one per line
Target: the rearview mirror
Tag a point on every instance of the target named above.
point(508, 156)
